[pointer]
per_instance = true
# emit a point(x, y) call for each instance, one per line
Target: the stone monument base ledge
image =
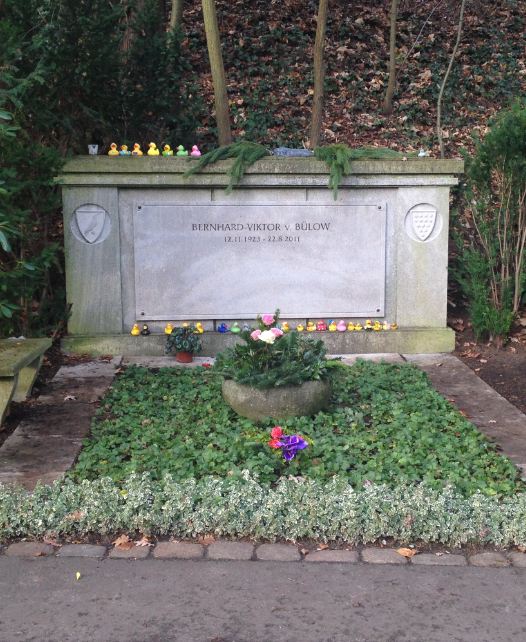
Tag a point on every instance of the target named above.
point(401, 341)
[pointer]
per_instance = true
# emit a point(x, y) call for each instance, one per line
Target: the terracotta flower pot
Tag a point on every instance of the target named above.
point(184, 357)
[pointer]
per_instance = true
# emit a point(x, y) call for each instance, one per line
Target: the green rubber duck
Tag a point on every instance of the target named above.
point(181, 151)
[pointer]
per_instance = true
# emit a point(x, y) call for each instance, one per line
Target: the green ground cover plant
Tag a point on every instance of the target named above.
point(293, 509)
point(386, 426)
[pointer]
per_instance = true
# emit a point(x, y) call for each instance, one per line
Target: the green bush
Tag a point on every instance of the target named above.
point(491, 267)
point(294, 509)
point(73, 72)
point(29, 254)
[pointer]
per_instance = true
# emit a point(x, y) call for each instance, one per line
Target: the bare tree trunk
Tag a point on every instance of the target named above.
point(444, 81)
point(218, 72)
point(391, 85)
point(176, 17)
point(128, 35)
point(319, 74)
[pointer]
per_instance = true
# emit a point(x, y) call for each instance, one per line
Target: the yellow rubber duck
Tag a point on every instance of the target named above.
point(137, 151)
point(113, 150)
point(186, 324)
point(358, 327)
point(368, 325)
point(300, 327)
point(168, 328)
point(311, 326)
point(153, 151)
point(199, 328)
point(350, 326)
point(332, 326)
point(377, 326)
point(285, 327)
point(135, 331)
point(394, 326)
point(167, 151)
point(385, 326)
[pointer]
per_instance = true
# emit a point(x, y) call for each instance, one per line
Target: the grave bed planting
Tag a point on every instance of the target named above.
point(389, 459)
point(386, 425)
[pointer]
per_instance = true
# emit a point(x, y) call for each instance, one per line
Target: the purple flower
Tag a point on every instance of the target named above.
point(290, 444)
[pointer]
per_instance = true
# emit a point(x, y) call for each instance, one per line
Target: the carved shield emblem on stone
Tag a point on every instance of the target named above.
point(90, 222)
point(422, 221)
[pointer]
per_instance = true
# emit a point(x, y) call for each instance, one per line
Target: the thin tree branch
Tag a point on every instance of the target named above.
point(444, 81)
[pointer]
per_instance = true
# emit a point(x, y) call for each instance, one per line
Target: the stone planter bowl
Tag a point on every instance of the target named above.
point(277, 403)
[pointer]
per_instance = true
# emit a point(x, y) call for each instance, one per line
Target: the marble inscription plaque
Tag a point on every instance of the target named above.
point(233, 262)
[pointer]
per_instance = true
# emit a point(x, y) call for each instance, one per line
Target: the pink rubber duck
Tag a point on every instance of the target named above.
point(195, 151)
point(341, 327)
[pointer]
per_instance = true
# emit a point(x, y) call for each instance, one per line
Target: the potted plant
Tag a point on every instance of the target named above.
point(274, 374)
point(185, 342)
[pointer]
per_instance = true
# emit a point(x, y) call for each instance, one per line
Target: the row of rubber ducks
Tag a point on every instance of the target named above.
point(153, 151)
point(168, 329)
point(320, 326)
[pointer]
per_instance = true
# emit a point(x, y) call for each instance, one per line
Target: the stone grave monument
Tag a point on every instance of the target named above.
point(144, 244)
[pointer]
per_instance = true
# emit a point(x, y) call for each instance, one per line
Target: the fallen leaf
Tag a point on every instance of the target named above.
point(521, 549)
point(406, 552)
point(304, 551)
point(322, 547)
point(70, 398)
point(206, 539)
point(483, 361)
point(53, 542)
point(492, 421)
point(123, 542)
point(75, 516)
point(144, 541)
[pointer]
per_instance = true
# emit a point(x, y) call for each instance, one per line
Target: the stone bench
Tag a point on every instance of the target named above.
point(20, 362)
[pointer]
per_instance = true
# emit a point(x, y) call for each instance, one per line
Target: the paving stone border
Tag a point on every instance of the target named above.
point(226, 550)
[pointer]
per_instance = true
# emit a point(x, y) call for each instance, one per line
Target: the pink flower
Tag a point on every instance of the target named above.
point(274, 443)
point(255, 335)
point(276, 432)
point(268, 319)
point(276, 332)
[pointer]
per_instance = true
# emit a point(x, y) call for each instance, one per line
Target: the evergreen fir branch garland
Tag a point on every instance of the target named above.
point(339, 156)
point(244, 154)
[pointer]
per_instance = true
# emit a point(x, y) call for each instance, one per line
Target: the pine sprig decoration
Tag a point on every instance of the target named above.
point(244, 154)
point(339, 156)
